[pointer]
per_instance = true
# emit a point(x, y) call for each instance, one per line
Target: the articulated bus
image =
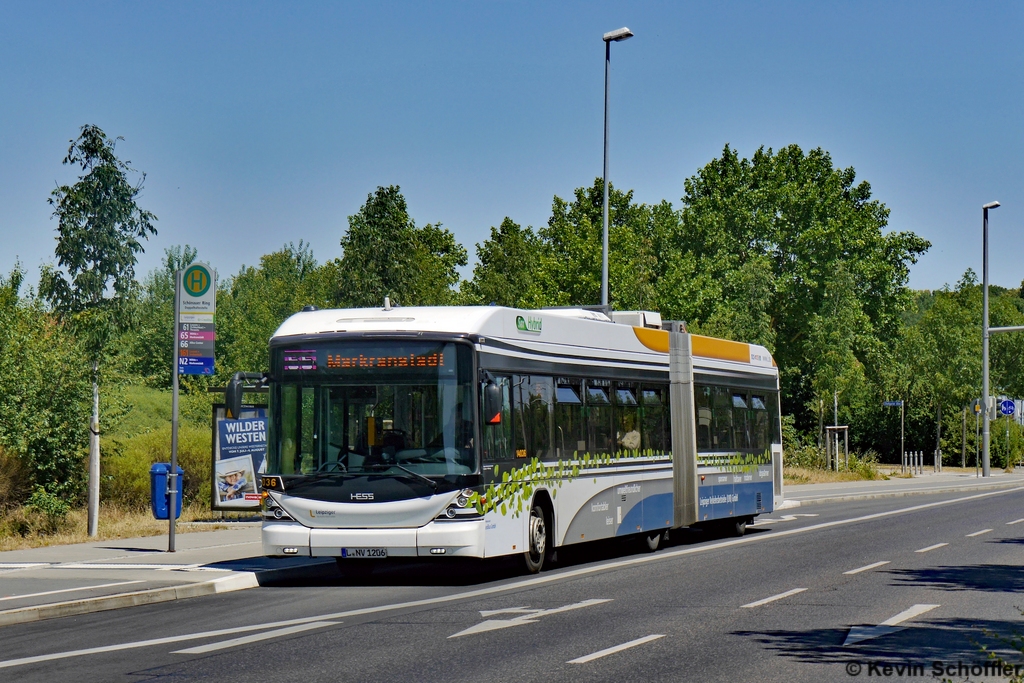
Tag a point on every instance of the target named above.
point(489, 431)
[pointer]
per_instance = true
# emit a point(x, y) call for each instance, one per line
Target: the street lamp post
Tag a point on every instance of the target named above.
point(609, 38)
point(986, 433)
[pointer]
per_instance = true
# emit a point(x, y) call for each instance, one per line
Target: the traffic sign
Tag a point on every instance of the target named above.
point(196, 334)
point(892, 404)
point(1006, 407)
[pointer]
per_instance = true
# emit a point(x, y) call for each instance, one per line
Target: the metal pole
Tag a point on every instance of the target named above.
point(94, 455)
point(985, 428)
point(604, 252)
point(172, 476)
point(902, 444)
point(963, 443)
point(977, 441)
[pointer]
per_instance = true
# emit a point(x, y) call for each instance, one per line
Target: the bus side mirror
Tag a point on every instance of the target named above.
point(492, 404)
point(233, 397)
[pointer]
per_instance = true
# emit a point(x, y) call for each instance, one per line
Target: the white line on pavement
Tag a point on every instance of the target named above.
point(866, 567)
point(521, 584)
point(775, 597)
point(931, 547)
point(255, 638)
point(859, 634)
point(613, 650)
point(68, 590)
point(978, 533)
point(1016, 521)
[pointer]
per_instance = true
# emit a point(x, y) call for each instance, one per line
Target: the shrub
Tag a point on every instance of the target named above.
point(125, 477)
point(15, 481)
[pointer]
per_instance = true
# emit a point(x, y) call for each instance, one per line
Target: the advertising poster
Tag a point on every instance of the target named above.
point(239, 455)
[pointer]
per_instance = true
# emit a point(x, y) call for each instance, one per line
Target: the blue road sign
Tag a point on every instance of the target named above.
point(1006, 407)
point(892, 404)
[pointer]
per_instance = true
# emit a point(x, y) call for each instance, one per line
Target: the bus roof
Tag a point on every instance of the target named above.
point(536, 329)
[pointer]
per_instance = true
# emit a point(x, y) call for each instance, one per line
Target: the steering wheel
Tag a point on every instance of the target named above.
point(328, 466)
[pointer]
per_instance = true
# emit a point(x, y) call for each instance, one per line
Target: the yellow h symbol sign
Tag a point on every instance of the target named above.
point(196, 281)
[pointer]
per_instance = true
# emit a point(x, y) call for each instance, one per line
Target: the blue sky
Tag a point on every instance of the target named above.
point(265, 123)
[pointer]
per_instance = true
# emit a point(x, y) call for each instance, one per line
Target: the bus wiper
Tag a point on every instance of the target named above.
point(433, 484)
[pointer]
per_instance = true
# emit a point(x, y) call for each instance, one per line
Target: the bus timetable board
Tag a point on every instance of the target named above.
point(196, 333)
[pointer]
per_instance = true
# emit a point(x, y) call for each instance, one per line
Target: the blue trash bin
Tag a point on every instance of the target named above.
point(158, 490)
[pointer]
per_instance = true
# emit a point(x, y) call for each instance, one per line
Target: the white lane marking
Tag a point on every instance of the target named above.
point(510, 610)
point(978, 533)
point(530, 618)
point(613, 650)
point(866, 567)
point(1016, 521)
point(21, 565)
point(773, 598)
point(931, 547)
point(68, 590)
point(125, 565)
point(859, 634)
point(519, 585)
point(783, 518)
point(255, 638)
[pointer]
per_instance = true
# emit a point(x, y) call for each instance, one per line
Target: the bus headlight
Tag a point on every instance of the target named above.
point(450, 513)
point(463, 498)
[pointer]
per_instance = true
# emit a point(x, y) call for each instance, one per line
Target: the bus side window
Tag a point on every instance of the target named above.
point(497, 438)
point(703, 401)
point(570, 420)
point(654, 412)
point(599, 416)
point(627, 416)
point(722, 414)
point(533, 397)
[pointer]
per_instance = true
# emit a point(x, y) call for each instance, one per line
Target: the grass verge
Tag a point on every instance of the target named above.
point(26, 528)
point(808, 475)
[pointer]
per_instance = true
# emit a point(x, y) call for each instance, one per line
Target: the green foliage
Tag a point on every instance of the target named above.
point(44, 394)
point(99, 228)
point(386, 255)
point(508, 269)
point(46, 503)
point(125, 473)
point(254, 303)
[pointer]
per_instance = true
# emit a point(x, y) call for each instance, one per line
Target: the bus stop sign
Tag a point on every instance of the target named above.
point(1006, 407)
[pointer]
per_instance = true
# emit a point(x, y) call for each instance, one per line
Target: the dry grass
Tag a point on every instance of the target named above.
point(806, 475)
point(21, 528)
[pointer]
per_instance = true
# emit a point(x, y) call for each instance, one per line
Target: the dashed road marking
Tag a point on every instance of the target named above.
point(978, 533)
point(931, 547)
point(613, 650)
point(773, 598)
point(859, 634)
point(530, 617)
point(866, 567)
point(255, 638)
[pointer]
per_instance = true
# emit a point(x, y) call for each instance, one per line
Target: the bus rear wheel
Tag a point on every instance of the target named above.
point(653, 539)
point(537, 540)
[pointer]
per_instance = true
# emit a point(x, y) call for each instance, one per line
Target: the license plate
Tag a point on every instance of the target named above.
point(364, 552)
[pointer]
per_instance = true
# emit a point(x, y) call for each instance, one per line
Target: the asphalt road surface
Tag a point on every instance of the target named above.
point(823, 593)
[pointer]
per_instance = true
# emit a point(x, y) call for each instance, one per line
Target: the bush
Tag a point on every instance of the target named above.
point(125, 478)
point(15, 481)
point(53, 508)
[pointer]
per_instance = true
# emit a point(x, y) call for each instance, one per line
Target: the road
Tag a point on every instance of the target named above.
point(811, 594)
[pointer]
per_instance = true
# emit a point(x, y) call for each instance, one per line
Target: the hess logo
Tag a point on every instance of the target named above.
point(360, 496)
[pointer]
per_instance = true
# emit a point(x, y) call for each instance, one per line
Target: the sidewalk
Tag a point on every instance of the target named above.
point(41, 583)
point(797, 495)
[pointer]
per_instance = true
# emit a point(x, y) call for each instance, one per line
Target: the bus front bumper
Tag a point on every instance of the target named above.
point(436, 539)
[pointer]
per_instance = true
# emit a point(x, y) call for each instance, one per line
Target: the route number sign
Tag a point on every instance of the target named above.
point(196, 334)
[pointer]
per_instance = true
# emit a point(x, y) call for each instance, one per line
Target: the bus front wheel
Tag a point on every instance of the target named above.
point(537, 539)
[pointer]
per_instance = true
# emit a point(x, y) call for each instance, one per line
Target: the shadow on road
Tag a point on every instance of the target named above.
point(941, 640)
point(998, 578)
point(471, 572)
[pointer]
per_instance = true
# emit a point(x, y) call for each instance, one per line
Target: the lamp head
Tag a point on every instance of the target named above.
point(618, 35)
point(990, 205)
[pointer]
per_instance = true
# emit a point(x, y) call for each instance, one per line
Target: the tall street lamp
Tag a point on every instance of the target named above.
point(985, 430)
point(609, 38)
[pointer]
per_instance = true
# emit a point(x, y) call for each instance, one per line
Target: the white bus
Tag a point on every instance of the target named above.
point(489, 431)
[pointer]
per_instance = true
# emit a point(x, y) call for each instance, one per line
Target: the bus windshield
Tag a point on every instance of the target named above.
point(367, 407)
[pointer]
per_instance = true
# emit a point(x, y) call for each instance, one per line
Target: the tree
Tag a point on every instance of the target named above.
point(44, 396)
point(99, 231)
point(254, 303)
point(386, 255)
point(507, 272)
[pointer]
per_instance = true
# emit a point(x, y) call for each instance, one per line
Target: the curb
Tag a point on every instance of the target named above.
point(225, 584)
point(899, 494)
